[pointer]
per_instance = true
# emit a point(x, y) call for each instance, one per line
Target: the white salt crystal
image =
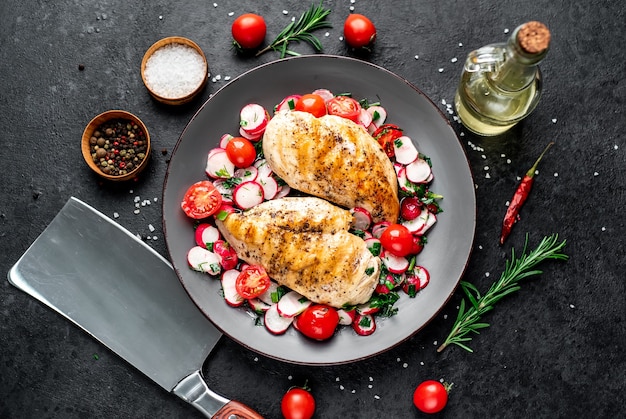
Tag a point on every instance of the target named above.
point(554, 120)
point(417, 57)
point(506, 30)
point(174, 70)
point(116, 215)
point(151, 228)
point(285, 12)
point(454, 60)
point(440, 70)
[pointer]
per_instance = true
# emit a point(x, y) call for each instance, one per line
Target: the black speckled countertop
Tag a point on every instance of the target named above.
point(554, 349)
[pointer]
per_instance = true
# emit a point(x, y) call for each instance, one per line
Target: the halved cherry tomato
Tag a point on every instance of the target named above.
point(249, 30)
point(297, 403)
point(397, 239)
point(386, 134)
point(344, 106)
point(241, 152)
point(201, 200)
point(252, 281)
point(359, 31)
point(430, 396)
point(318, 321)
point(313, 104)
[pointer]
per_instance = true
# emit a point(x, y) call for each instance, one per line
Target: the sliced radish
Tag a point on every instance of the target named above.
point(398, 167)
point(226, 254)
point(325, 94)
point(405, 150)
point(248, 195)
point(283, 191)
point(374, 246)
point(362, 218)
point(431, 177)
point(403, 182)
point(416, 280)
point(248, 136)
point(379, 227)
point(206, 234)
point(365, 118)
point(270, 296)
point(229, 287)
point(216, 150)
point(270, 187)
point(379, 115)
point(276, 323)
point(201, 260)
point(253, 119)
point(218, 164)
point(225, 139)
point(417, 225)
point(366, 308)
point(292, 304)
point(248, 174)
point(346, 317)
point(395, 264)
point(364, 324)
point(264, 169)
point(258, 306)
point(432, 219)
point(418, 171)
point(288, 103)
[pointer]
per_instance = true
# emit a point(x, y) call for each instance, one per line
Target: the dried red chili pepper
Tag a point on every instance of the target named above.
point(521, 193)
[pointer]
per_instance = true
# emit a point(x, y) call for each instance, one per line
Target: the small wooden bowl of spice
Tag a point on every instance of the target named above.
point(174, 70)
point(116, 145)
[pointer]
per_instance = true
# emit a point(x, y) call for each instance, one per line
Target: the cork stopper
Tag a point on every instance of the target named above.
point(533, 37)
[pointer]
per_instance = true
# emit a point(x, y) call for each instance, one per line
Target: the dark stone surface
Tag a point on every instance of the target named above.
point(555, 349)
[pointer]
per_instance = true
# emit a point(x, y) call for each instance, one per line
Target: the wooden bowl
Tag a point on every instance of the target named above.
point(184, 98)
point(124, 143)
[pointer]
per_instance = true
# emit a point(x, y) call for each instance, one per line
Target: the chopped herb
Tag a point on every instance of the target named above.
point(292, 104)
point(358, 233)
point(223, 173)
point(209, 246)
point(412, 290)
point(222, 215)
point(96, 357)
point(375, 116)
point(375, 249)
point(365, 322)
point(385, 302)
point(369, 271)
point(398, 142)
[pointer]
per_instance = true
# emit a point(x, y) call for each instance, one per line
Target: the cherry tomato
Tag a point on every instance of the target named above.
point(418, 244)
point(252, 281)
point(201, 200)
point(359, 31)
point(241, 152)
point(249, 30)
point(397, 239)
point(386, 134)
point(297, 403)
point(344, 106)
point(430, 396)
point(313, 104)
point(318, 321)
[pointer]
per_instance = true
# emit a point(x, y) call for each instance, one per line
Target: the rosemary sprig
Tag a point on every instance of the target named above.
point(312, 19)
point(469, 320)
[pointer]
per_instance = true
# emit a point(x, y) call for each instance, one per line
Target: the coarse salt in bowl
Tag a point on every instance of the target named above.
point(174, 70)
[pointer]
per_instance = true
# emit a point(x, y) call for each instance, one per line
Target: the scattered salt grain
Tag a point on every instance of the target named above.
point(440, 69)
point(351, 8)
point(341, 38)
point(508, 161)
point(480, 247)
point(137, 211)
point(503, 155)
point(137, 199)
point(487, 176)
point(327, 34)
point(454, 60)
point(151, 228)
point(371, 379)
point(227, 78)
point(417, 57)
point(256, 359)
point(231, 13)
point(405, 365)
point(443, 101)
point(556, 174)
point(160, 17)
point(507, 203)
point(214, 4)
point(615, 147)
point(337, 379)
point(353, 391)
point(603, 228)
point(422, 363)
point(174, 70)
point(486, 168)
point(483, 157)
point(130, 191)
point(596, 173)
point(289, 377)
point(506, 30)
point(352, 1)
point(377, 397)
point(341, 387)
point(445, 317)
point(285, 12)
point(370, 386)
point(116, 215)
point(460, 44)
point(571, 306)
point(487, 274)
point(435, 343)
point(554, 120)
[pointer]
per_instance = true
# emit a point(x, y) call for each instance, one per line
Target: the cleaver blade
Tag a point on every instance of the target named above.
point(123, 293)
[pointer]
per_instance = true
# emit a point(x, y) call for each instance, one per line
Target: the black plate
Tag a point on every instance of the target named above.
point(449, 242)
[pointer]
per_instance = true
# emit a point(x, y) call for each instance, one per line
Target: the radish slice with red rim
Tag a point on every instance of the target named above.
point(276, 323)
point(206, 234)
point(324, 94)
point(418, 171)
point(417, 225)
point(258, 306)
point(379, 115)
point(248, 195)
point(229, 287)
point(288, 103)
point(362, 218)
point(346, 317)
point(225, 139)
point(405, 150)
point(270, 296)
point(292, 304)
point(270, 187)
point(202, 260)
point(364, 324)
point(248, 174)
point(374, 246)
point(395, 264)
point(218, 164)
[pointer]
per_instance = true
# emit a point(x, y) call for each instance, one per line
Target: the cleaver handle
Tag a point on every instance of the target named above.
point(194, 390)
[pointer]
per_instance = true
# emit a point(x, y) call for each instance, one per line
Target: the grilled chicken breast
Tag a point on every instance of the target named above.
point(332, 158)
point(304, 244)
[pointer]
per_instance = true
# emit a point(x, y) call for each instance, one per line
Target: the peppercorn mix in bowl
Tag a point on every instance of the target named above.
point(116, 145)
point(174, 70)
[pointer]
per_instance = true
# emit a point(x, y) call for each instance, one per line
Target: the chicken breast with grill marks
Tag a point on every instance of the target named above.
point(332, 158)
point(304, 244)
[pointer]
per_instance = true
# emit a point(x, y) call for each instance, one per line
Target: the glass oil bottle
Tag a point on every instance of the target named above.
point(501, 83)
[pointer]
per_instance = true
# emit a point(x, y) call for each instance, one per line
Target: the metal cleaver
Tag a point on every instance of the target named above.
point(119, 290)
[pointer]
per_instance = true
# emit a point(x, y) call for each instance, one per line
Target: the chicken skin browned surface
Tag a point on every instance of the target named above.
point(304, 244)
point(332, 158)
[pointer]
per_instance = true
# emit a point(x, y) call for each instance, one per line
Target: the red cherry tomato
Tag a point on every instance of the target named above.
point(249, 30)
point(318, 321)
point(297, 403)
point(241, 152)
point(397, 239)
point(252, 281)
point(201, 200)
point(430, 396)
point(418, 244)
point(313, 104)
point(344, 106)
point(386, 134)
point(410, 208)
point(359, 31)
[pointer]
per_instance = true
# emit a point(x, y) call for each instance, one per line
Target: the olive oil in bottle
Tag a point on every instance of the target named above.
point(501, 83)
